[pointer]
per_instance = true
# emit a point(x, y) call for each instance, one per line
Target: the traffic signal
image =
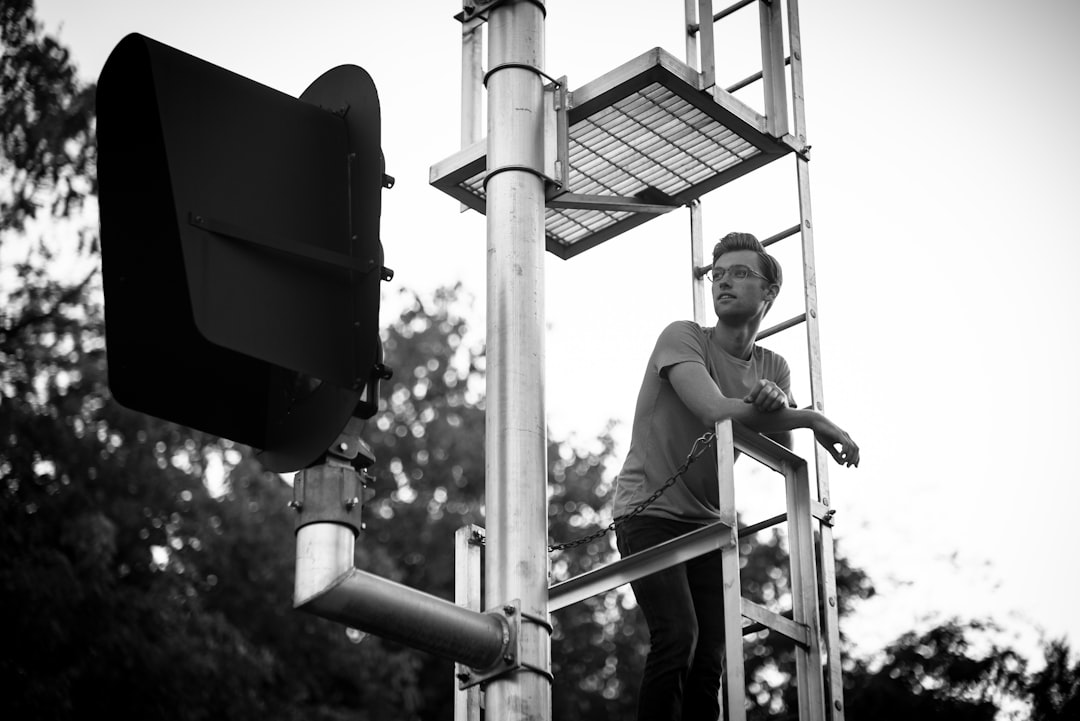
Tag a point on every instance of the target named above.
point(240, 248)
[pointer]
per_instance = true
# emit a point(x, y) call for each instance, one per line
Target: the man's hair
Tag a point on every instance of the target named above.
point(770, 267)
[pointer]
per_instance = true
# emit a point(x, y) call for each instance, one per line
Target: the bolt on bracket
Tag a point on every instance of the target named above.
point(328, 494)
point(510, 661)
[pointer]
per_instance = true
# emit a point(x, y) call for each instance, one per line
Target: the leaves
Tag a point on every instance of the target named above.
point(1055, 690)
point(937, 675)
point(47, 152)
point(148, 568)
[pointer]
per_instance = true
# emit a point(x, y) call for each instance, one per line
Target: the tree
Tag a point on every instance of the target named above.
point(936, 675)
point(149, 567)
point(1055, 690)
point(47, 151)
point(598, 645)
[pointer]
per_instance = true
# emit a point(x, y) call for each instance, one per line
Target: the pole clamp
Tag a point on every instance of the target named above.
point(329, 493)
point(511, 616)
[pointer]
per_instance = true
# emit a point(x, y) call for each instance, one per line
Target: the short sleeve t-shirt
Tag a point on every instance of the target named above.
point(665, 429)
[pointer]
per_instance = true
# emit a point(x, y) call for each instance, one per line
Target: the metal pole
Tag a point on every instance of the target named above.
point(516, 440)
point(328, 586)
point(472, 73)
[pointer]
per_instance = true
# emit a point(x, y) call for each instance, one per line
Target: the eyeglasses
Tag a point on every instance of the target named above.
point(738, 272)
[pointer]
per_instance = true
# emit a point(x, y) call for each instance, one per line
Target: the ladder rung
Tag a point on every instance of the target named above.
point(763, 619)
point(746, 531)
point(696, 27)
point(781, 235)
point(782, 326)
point(728, 10)
point(751, 79)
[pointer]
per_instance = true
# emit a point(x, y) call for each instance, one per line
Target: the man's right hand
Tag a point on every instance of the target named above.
point(766, 396)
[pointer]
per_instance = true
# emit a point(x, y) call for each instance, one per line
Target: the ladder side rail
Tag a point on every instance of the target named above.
point(472, 80)
point(467, 593)
point(804, 587)
point(830, 621)
point(733, 682)
point(698, 283)
point(691, 27)
point(826, 544)
point(772, 67)
point(798, 103)
point(707, 42)
point(805, 616)
point(822, 458)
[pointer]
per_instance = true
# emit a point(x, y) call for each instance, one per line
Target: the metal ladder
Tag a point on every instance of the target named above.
point(814, 632)
point(811, 563)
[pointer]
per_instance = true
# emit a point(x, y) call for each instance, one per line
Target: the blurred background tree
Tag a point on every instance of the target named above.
point(146, 569)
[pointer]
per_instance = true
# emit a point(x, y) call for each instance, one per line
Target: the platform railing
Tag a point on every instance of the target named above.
point(802, 624)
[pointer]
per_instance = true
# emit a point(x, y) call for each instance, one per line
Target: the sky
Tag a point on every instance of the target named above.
point(944, 180)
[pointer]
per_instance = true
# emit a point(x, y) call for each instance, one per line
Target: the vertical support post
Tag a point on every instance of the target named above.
point(798, 104)
point(734, 680)
point(697, 259)
point(772, 67)
point(690, 13)
point(804, 593)
point(472, 81)
point(467, 559)
point(516, 434)
point(706, 38)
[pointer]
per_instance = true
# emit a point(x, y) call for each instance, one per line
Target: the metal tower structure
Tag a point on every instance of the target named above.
point(564, 171)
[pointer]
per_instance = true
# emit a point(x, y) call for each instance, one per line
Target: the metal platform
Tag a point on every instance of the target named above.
point(643, 139)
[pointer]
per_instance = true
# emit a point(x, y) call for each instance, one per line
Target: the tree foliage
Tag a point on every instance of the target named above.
point(936, 675)
point(47, 151)
point(1055, 690)
point(146, 569)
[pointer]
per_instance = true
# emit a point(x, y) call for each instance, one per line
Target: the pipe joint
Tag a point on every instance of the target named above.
point(510, 617)
point(329, 493)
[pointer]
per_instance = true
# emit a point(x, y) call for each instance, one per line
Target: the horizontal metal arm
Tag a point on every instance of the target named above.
point(328, 586)
point(764, 618)
point(763, 449)
point(608, 202)
point(665, 555)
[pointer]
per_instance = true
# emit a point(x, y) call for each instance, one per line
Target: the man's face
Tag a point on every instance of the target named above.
point(741, 299)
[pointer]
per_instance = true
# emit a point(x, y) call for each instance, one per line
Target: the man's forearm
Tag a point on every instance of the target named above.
point(700, 394)
point(771, 422)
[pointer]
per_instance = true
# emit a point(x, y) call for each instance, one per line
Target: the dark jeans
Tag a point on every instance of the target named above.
point(683, 606)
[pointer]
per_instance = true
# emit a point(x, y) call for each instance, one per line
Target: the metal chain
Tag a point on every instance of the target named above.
point(696, 451)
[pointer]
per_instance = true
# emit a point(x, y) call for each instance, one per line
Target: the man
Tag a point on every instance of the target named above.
point(696, 377)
